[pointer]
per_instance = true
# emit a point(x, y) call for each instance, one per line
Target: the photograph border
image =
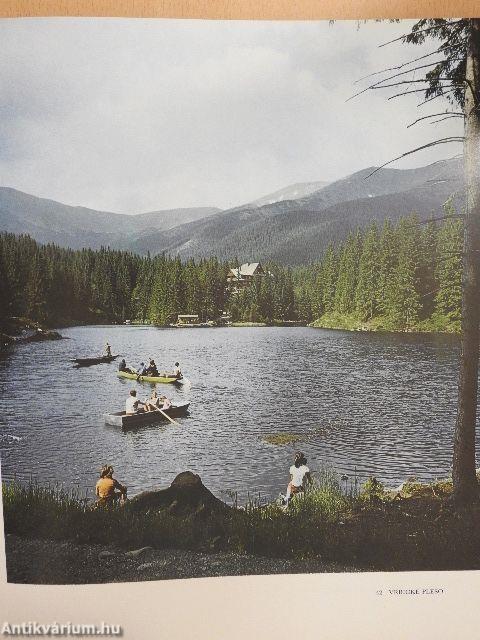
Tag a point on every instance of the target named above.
point(324, 606)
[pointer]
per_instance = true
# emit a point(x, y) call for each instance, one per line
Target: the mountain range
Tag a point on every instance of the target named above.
point(78, 227)
point(291, 226)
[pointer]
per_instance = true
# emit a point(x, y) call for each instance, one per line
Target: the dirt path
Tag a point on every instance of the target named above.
point(56, 562)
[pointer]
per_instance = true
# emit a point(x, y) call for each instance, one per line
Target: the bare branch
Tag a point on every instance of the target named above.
point(424, 146)
point(434, 115)
point(423, 80)
point(403, 73)
point(404, 93)
point(378, 84)
point(455, 216)
point(446, 118)
point(406, 64)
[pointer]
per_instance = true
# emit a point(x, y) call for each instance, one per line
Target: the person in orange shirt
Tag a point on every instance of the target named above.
point(108, 490)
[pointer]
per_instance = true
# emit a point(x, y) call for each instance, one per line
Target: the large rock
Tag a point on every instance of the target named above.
point(41, 335)
point(186, 495)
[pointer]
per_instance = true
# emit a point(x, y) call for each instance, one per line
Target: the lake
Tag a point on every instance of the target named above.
point(362, 403)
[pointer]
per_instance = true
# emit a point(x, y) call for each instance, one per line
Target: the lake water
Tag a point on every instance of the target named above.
point(364, 404)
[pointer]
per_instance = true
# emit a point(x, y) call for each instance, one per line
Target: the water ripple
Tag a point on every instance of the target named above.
point(366, 404)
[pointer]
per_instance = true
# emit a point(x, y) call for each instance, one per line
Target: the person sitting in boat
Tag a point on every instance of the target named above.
point(131, 404)
point(166, 403)
point(141, 369)
point(152, 368)
point(299, 474)
point(108, 350)
point(108, 490)
point(153, 403)
point(123, 367)
point(176, 371)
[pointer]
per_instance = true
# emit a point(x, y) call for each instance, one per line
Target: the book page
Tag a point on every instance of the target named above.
point(238, 296)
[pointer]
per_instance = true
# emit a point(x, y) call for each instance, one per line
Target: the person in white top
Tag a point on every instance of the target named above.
point(132, 402)
point(299, 474)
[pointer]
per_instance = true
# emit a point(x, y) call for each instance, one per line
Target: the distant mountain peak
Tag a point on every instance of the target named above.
point(291, 192)
point(292, 225)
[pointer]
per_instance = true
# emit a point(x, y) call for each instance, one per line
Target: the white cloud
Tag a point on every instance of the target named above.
point(132, 115)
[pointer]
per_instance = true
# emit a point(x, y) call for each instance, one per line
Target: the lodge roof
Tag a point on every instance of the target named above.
point(246, 269)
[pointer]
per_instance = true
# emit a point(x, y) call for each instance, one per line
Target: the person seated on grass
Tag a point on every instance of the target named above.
point(131, 404)
point(152, 368)
point(108, 490)
point(299, 475)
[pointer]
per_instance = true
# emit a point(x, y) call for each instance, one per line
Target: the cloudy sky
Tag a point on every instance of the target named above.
point(138, 115)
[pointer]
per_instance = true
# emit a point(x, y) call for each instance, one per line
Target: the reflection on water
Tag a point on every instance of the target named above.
point(383, 404)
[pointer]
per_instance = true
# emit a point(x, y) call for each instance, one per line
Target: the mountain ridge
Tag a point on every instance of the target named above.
point(284, 231)
point(47, 220)
point(290, 231)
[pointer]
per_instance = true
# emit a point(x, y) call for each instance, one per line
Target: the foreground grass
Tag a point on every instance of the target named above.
point(411, 529)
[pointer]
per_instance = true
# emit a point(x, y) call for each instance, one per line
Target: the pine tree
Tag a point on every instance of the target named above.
point(404, 302)
point(329, 279)
point(448, 274)
point(366, 300)
point(36, 290)
point(426, 273)
point(344, 301)
point(388, 261)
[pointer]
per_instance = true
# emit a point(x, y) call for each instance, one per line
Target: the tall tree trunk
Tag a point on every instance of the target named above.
point(464, 479)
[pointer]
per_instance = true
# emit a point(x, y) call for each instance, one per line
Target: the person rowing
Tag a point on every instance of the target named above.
point(108, 490)
point(153, 403)
point(176, 371)
point(132, 402)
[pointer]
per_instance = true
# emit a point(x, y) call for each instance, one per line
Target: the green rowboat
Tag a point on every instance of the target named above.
point(161, 379)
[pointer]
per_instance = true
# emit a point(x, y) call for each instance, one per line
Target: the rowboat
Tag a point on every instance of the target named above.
point(161, 379)
point(88, 362)
point(121, 419)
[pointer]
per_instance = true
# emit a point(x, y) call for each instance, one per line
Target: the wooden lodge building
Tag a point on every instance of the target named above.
point(240, 277)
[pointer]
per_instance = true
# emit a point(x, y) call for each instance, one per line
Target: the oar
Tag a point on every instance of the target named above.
point(167, 416)
point(183, 380)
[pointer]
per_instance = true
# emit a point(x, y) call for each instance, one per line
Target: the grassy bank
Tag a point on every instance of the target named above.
point(435, 324)
point(411, 529)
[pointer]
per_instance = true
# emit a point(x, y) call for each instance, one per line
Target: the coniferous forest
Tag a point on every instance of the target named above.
point(402, 278)
point(398, 277)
